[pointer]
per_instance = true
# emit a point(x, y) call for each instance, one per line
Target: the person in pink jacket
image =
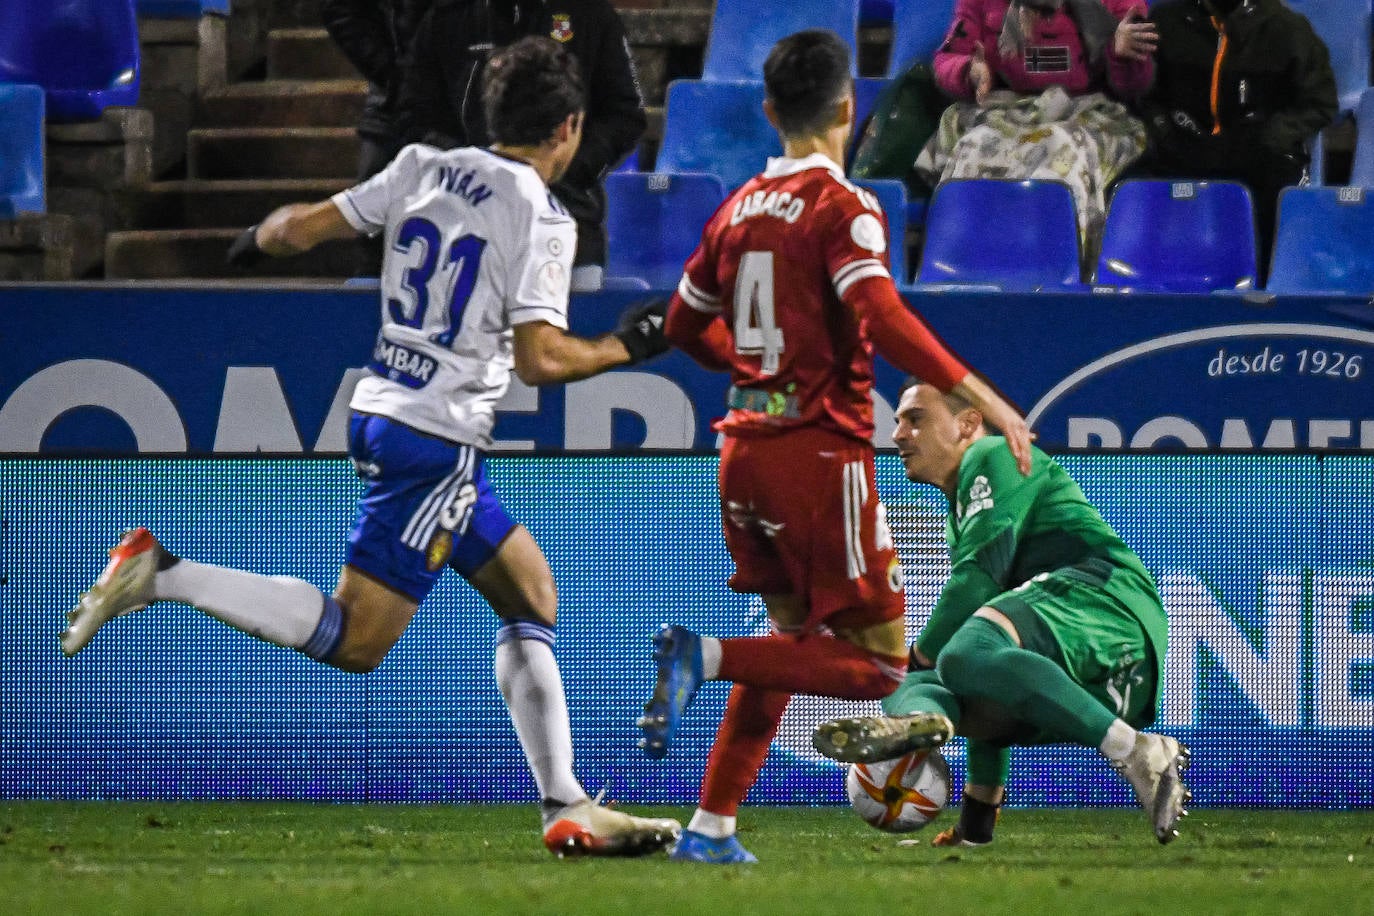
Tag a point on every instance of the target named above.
point(1029, 45)
point(1040, 90)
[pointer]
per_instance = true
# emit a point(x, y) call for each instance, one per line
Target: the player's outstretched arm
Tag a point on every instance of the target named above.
point(904, 338)
point(545, 354)
point(290, 230)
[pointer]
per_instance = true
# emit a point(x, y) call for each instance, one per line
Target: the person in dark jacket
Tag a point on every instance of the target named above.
point(375, 35)
point(1240, 87)
point(441, 94)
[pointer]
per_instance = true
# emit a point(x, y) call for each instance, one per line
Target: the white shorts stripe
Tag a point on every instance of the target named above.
point(855, 495)
point(421, 526)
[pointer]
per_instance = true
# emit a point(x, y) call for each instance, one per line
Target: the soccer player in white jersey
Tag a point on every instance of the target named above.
point(475, 283)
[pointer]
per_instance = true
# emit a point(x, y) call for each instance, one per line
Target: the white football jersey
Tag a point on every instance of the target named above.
point(475, 243)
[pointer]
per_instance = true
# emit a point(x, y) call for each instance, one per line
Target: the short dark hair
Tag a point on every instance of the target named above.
point(806, 75)
point(528, 89)
point(956, 403)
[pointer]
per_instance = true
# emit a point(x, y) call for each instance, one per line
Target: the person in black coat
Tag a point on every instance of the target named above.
point(1241, 87)
point(375, 35)
point(440, 100)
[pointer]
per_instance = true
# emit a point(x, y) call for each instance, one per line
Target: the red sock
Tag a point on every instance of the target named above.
point(751, 719)
point(818, 665)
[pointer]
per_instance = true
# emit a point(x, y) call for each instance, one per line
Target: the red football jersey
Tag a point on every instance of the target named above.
point(774, 262)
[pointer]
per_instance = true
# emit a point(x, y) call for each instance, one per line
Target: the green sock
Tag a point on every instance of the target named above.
point(987, 764)
point(921, 691)
point(981, 660)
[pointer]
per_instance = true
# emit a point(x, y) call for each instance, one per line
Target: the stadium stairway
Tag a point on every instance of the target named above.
point(255, 144)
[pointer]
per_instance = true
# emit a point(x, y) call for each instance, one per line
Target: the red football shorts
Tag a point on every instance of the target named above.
point(801, 516)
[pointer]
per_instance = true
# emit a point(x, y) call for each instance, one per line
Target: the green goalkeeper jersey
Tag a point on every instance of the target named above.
point(1004, 529)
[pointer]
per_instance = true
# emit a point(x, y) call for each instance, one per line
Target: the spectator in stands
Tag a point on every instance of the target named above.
point(376, 36)
point(1039, 86)
point(1240, 87)
point(441, 95)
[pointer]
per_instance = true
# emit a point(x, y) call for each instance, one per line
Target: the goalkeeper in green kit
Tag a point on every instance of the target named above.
point(1049, 629)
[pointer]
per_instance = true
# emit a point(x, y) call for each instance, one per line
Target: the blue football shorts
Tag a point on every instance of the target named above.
point(427, 505)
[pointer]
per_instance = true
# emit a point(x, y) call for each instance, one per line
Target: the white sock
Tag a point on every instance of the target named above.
point(710, 658)
point(528, 676)
point(716, 826)
point(278, 609)
point(1120, 741)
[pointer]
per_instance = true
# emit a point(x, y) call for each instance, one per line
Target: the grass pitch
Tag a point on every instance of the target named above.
point(137, 857)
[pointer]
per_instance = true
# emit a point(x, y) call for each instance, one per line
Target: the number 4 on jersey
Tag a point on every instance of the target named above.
point(756, 328)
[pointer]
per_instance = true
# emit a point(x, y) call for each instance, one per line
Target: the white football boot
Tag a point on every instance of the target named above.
point(125, 586)
point(588, 829)
point(1154, 768)
point(868, 739)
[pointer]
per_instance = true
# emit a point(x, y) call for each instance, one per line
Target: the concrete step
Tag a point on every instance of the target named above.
point(306, 54)
point(199, 254)
point(272, 152)
point(194, 204)
point(284, 103)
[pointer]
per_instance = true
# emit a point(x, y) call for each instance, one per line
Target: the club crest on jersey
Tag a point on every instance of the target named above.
point(562, 28)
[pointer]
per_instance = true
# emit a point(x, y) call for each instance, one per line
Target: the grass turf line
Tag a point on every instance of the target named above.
point(257, 857)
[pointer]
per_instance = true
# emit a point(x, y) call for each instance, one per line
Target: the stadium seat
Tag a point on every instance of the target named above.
point(718, 128)
point(181, 9)
point(654, 221)
point(84, 53)
point(891, 193)
point(1012, 235)
point(1179, 236)
point(21, 150)
point(1362, 167)
point(1323, 243)
point(918, 30)
point(742, 33)
point(1345, 27)
point(875, 12)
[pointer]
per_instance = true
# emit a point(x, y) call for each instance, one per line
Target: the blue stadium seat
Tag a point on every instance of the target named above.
point(1324, 242)
point(891, 193)
point(717, 128)
point(1179, 236)
point(654, 222)
point(1345, 27)
point(1013, 235)
point(875, 12)
point(181, 9)
point(918, 30)
point(84, 53)
point(742, 34)
point(21, 150)
point(1362, 168)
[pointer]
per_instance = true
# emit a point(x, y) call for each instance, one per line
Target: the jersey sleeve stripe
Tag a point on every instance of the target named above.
point(697, 299)
point(852, 273)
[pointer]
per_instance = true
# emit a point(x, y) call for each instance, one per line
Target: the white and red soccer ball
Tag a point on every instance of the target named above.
point(900, 795)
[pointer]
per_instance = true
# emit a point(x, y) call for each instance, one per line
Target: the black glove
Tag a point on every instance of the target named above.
point(245, 251)
point(640, 329)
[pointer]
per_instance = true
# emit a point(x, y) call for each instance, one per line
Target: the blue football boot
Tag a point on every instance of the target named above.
point(678, 654)
point(698, 847)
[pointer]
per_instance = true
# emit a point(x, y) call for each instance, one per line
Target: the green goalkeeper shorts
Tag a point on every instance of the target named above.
point(1085, 619)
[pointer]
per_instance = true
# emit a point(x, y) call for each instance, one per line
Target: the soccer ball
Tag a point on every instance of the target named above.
point(900, 795)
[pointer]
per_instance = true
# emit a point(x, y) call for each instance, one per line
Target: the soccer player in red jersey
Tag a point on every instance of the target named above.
point(789, 291)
